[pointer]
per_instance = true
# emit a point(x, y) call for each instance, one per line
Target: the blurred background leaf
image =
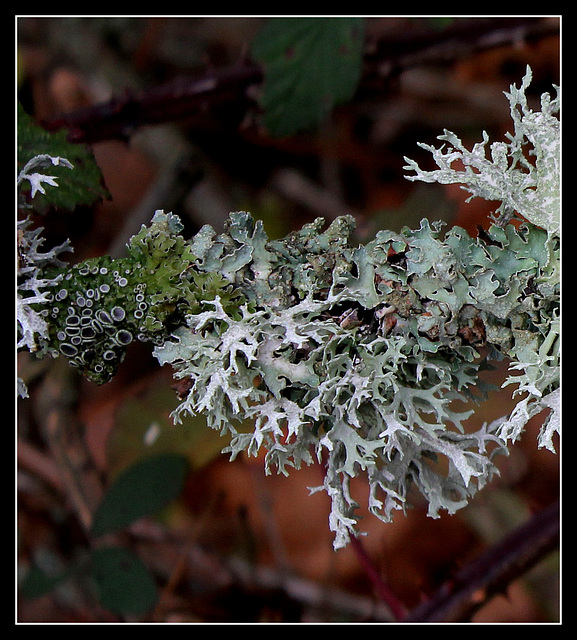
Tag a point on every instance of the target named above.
point(37, 582)
point(143, 427)
point(124, 585)
point(311, 65)
point(143, 489)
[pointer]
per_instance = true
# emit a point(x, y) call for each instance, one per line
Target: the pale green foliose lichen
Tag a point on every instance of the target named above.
point(312, 348)
point(99, 306)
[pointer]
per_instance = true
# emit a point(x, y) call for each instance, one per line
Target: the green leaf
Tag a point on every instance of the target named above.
point(143, 427)
point(37, 582)
point(124, 585)
point(143, 489)
point(81, 186)
point(310, 65)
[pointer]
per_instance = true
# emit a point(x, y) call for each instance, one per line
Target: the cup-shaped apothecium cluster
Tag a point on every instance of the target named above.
point(95, 312)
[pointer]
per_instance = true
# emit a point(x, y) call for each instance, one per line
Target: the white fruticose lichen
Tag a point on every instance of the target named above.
point(529, 189)
point(336, 357)
point(376, 405)
point(33, 289)
point(37, 180)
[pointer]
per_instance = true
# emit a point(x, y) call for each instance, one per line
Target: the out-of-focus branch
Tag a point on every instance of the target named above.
point(184, 98)
point(493, 571)
point(228, 88)
point(381, 587)
point(461, 38)
point(161, 550)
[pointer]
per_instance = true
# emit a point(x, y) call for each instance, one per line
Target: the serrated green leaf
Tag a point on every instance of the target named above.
point(143, 489)
point(311, 65)
point(81, 186)
point(124, 585)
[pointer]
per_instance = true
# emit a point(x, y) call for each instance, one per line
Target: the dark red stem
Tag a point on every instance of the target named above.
point(381, 587)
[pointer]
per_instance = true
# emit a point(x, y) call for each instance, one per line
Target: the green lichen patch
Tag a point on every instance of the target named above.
point(98, 307)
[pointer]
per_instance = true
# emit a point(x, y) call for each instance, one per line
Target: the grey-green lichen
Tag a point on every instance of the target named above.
point(525, 184)
point(524, 176)
point(313, 348)
point(354, 354)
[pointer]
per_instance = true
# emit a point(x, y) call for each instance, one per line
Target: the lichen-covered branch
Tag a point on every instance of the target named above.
point(310, 347)
point(330, 349)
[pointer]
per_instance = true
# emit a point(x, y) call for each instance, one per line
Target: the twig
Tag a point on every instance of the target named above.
point(39, 464)
point(510, 558)
point(217, 573)
point(382, 588)
point(229, 87)
point(458, 40)
point(300, 189)
point(184, 98)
